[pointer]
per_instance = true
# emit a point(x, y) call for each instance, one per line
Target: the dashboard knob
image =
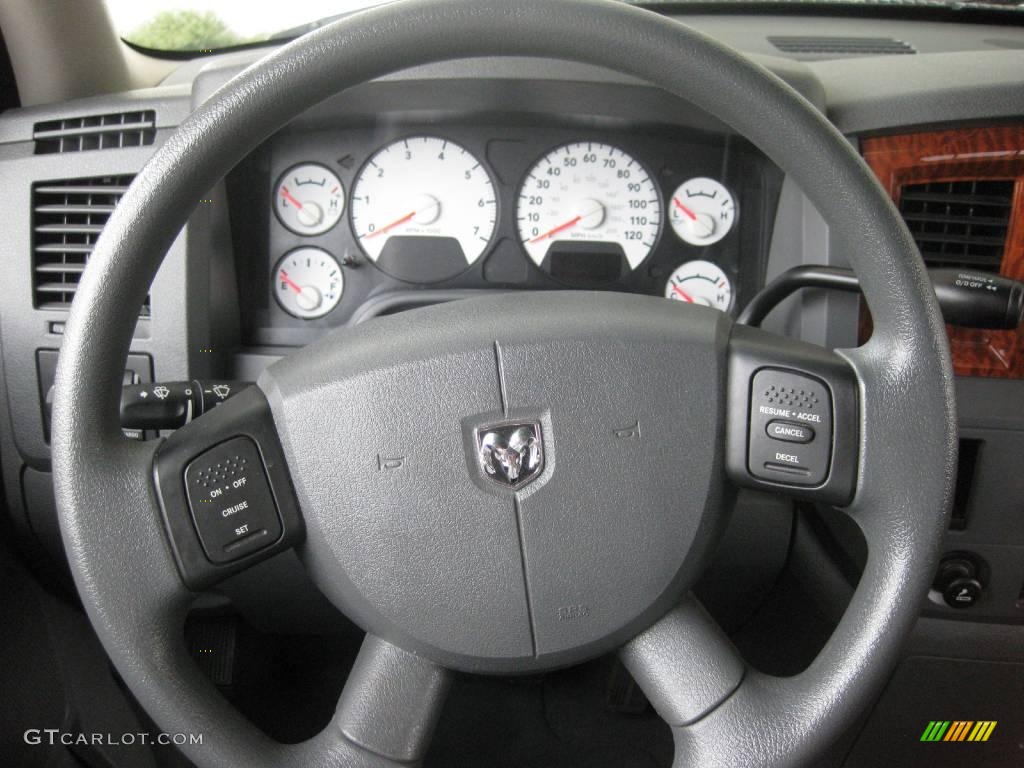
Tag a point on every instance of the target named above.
point(958, 580)
point(962, 593)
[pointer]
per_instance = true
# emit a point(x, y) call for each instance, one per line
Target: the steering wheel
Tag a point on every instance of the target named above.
point(490, 486)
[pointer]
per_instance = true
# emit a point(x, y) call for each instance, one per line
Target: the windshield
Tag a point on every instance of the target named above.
point(192, 26)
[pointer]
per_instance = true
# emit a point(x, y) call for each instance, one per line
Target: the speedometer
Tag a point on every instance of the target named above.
point(588, 210)
point(423, 209)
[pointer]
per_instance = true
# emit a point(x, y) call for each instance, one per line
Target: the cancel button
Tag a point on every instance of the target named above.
point(790, 432)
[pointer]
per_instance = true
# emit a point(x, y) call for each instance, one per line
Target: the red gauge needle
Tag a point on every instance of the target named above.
point(290, 198)
point(559, 228)
point(290, 283)
point(390, 226)
point(685, 296)
point(684, 209)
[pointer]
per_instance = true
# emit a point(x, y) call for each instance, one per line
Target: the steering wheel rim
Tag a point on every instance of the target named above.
point(136, 600)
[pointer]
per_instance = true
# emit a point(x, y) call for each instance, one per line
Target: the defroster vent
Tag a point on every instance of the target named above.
point(959, 224)
point(822, 47)
point(67, 218)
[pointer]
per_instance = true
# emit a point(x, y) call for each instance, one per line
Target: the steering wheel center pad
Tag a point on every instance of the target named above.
point(409, 532)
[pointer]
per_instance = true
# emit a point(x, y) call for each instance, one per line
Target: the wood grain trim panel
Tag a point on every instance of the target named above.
point(995, 152)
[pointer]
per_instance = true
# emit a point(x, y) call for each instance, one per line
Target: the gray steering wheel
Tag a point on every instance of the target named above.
point(367, 445)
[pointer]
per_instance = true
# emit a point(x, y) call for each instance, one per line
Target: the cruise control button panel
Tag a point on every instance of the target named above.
point(793, 418)
point(790, 428)
point(225, 493)
point(231, 502)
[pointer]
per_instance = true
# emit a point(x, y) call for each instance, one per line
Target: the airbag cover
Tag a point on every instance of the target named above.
point(413, 537)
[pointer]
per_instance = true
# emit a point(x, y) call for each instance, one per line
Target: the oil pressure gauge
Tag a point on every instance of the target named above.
point(308, 283)
point(309, 199)
point(702, 211)
point(700, 282)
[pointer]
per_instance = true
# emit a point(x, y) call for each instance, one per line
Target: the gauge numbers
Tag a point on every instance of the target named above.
point(700, 282)
point(589, 192)
point(702, 211)
point(309, 199)
point(308, 283)
point(423, 201)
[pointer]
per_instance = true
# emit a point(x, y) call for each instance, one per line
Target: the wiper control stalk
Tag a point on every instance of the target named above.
point(967, 298)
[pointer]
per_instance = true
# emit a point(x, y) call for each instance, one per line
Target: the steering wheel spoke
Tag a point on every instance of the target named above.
point(684, 663)
point(792, 421)
point(392, 701)
point(225, 492)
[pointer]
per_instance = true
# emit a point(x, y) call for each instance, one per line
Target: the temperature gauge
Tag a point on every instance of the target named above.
point(702, 211)
point(308, 283)
point(309, 199)
point(700, 282)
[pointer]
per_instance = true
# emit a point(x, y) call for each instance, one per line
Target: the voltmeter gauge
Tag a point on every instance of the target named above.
point(309, 199)
point(702, 211)
point(700, 282)
point(308, 282)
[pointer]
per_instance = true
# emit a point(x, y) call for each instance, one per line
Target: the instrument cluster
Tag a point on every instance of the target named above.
point(364, 211)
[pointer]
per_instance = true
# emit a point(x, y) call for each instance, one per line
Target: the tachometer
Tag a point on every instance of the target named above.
point(423, 209)
point(588, 210)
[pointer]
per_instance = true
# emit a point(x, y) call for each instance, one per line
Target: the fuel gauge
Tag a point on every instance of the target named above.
point(309, 199)
point(308, 283)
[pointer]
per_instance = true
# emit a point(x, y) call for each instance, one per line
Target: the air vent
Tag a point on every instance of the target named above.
point(839, 47)
point(67, 218)
point(77, 134)
point(959, 223)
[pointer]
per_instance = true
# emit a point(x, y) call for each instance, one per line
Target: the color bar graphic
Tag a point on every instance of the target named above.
point(958, 730)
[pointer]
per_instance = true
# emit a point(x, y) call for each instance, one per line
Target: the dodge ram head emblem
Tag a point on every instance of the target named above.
point(511, 454)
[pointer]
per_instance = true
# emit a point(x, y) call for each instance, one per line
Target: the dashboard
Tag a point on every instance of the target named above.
point(360, 220)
